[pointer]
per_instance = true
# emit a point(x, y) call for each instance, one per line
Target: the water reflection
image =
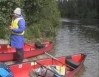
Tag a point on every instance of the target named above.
point(80, 38)
point(81, 72)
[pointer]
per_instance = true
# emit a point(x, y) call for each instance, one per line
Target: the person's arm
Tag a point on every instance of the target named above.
point(21, 25)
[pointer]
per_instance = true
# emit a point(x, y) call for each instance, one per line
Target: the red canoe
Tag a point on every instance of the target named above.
point(72, 65)
point(8, 54)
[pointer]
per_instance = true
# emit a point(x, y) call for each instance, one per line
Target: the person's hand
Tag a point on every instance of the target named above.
point(10, 27)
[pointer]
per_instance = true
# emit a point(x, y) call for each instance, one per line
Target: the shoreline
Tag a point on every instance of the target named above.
point(4, 41)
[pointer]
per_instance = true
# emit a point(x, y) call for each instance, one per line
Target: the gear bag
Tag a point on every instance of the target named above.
point(5, 71)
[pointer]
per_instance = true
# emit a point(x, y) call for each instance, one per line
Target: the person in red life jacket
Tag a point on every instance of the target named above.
point(17, 34)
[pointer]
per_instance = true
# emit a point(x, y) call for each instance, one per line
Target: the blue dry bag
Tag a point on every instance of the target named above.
point(5, 71)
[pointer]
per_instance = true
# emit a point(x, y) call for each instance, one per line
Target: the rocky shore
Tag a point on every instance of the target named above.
point(4, 41)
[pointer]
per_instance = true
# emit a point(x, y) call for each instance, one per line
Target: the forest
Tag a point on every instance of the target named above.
point(43, 16)
point(79, 8)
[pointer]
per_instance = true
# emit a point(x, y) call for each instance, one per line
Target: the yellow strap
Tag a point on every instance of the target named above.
point(18, 33)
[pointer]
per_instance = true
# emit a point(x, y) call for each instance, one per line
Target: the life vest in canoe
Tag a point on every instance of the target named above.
point(5, 71)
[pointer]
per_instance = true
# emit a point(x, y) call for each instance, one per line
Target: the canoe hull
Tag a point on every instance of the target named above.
point(28, 52)
point(22, 70)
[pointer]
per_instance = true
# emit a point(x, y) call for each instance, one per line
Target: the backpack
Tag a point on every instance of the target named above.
point(39, 45)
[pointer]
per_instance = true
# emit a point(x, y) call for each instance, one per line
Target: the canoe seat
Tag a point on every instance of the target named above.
point(71, 63)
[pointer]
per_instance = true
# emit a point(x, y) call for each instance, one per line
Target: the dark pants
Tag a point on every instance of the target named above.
point(19, 55)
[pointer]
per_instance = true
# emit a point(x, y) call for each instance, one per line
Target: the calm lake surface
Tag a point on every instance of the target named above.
point(80, 36)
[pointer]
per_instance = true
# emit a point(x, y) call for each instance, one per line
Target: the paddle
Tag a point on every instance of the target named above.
point(58, 60)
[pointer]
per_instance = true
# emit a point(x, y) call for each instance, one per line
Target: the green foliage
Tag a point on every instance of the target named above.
point(92, 14)
point(42, 17)
point(6, 10)
point(2, 32)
